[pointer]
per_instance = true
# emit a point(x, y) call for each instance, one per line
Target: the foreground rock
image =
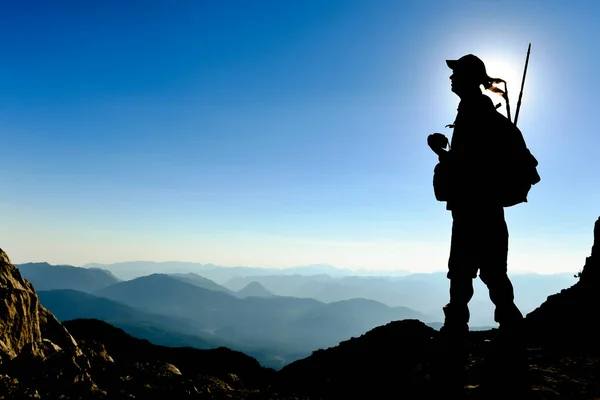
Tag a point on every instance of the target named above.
point(568, 319)
point(37, 353)
point(391, 360)
point(26, 326)
point(121, 363)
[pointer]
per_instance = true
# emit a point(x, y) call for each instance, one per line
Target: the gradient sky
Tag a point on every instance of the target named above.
point(280, 133)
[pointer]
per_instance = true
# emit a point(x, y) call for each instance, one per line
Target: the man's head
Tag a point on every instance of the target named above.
point(468, 73)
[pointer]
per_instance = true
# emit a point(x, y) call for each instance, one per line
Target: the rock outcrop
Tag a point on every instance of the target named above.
point(24, 322)
point(38, 354)
point(569, 319)
point(390, 361)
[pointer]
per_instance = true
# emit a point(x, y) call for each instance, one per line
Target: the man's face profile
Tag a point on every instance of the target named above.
point(462, 82)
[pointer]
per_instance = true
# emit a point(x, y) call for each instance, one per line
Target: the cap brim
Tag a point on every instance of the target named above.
point(451, 63)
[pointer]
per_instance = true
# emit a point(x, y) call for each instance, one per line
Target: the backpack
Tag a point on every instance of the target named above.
point(518, 169)
point(515, 175)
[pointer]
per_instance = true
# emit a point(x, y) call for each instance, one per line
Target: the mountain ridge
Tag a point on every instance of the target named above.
point(48, 277)
point(254, 289)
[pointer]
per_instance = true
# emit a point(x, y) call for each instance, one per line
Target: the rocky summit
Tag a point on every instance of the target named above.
point(556, 357)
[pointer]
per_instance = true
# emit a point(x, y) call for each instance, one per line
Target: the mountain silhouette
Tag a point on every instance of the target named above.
point(254, 289)
point(49, 277)
point(286, 328)
point(221, 274)
point(202, 282)
point(164, 294)
point(382, 363)
point(407, 291)
point(282, 285)
point(156, 328)
point(566, 319)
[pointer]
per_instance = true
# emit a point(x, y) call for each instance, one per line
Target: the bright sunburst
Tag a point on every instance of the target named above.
point(511, 72)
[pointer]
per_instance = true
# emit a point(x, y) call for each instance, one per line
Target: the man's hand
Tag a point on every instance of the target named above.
point(437, 142)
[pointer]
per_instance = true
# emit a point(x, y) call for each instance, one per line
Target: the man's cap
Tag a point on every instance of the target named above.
point(470, 65)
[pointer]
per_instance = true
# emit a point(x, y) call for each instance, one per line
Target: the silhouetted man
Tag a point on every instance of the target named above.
point(479, 231)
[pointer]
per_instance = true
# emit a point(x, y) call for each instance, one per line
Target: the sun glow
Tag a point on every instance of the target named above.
point(511, 72)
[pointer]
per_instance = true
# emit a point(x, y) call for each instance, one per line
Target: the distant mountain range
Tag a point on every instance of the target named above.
point(285, 324)
point(254, 289)
point(134, 269)
point(190, 310)
point(423, 292)
point(202, 282)
point(159, 329)
point(48, 277)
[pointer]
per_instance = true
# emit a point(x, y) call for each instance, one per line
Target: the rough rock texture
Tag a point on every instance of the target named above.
point(23, 320)
point(128, 352)
point(38, 354)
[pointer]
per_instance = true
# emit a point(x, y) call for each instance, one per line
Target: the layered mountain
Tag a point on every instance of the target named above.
point(158, 329)
point(41, 359)
point(49, 277)
point(167, 295)
point(221, 274)
point(421, 292)
point(202, 282)
point(276, 329)
point(279, 284)
point(254, 289)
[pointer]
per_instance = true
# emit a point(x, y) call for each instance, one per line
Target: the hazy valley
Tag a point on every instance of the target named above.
point(276, 316)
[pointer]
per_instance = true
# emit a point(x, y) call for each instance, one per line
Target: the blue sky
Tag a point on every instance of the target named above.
point(271, 133)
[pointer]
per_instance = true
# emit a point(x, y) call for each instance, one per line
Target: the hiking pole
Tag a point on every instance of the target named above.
point(522, 84)
point(507, 102)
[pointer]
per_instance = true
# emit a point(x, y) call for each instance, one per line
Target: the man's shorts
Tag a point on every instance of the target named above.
point(479, 242)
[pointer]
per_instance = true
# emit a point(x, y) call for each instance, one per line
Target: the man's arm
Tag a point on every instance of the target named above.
point(438, 143)
point(443, 155)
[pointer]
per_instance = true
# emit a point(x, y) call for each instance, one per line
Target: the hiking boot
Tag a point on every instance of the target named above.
point(453, 343)
point(455, 331)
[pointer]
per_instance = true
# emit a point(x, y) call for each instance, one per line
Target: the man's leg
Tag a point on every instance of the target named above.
point(452, 347)
point(502, 295)
point(461, 271)
point(506, 371)
point(456, 312)
point(494, 271)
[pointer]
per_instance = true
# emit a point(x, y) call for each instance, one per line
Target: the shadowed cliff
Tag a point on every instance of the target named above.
point(564, 321)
